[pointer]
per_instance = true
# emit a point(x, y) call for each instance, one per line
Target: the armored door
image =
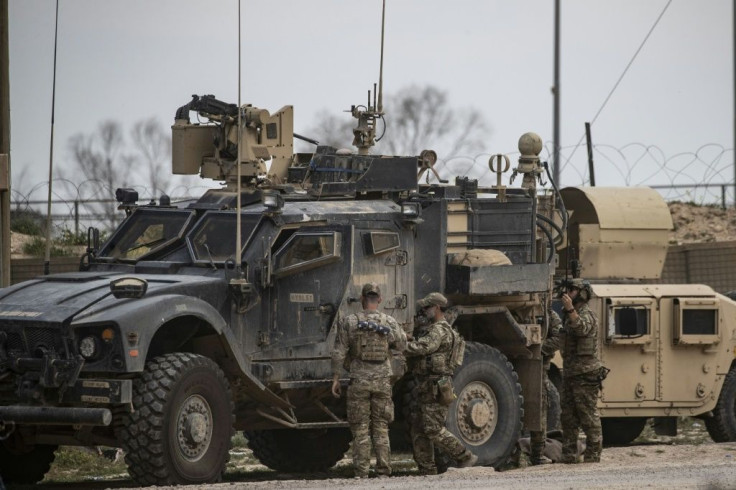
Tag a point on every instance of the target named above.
point(310, 269)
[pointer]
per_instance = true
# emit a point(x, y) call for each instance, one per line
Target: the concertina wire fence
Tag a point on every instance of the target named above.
point(705, 176)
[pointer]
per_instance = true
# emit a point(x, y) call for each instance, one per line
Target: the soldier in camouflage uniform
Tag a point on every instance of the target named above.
point(552, 343)
point(363, 347)
point(429, 357)
point(582, 375)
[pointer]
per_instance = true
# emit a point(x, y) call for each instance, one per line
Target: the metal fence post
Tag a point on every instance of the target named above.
point(76, 218)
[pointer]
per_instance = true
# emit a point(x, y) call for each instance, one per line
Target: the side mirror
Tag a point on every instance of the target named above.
point(129, 287)
point(93, 240)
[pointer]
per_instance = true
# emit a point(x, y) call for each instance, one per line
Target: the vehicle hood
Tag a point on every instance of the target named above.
point(56, 298)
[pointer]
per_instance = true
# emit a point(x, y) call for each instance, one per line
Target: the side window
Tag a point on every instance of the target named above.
point(629, 320)
point(304, 251)
point(696, 321)
point(377, 242)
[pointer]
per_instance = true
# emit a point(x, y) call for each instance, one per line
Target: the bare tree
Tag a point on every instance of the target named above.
point(153, 148)
point(417, 118)
point(423, 119)
point(100, 157)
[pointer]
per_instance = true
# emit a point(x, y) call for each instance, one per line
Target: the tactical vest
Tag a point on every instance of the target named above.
point(441, 362)
point(369, 346)
point(581, 353)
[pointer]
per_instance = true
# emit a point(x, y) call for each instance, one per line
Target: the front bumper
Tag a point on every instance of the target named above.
point(84, 391)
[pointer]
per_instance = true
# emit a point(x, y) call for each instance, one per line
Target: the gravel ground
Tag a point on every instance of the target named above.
point(707, 466)
point(653, 465)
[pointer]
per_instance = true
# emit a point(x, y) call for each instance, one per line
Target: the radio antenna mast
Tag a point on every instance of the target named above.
point(47, 253)
point(380, 72)
point(364, 134)
point(238, 230)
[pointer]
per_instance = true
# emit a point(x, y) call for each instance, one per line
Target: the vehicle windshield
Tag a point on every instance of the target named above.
point(145, 232)
point(213, 237)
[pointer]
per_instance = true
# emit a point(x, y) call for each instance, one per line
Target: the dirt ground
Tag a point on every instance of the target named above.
point(652, 465)
point(688, 460)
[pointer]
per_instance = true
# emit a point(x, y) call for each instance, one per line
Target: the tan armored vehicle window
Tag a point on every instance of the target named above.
point(305, 251)
point(696, 321)
point(629, 321)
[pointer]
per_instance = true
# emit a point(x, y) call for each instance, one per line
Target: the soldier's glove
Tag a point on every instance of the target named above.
point(370, 326)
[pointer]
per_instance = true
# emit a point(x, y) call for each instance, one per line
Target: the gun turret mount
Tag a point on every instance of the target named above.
point(212, 149)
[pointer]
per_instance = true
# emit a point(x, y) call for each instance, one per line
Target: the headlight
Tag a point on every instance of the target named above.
point(88, 347)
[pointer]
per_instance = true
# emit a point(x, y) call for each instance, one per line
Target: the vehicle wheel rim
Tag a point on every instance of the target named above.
point(477, 413)
point(194, 428)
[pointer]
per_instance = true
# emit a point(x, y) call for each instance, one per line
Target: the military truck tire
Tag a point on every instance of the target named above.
point(620, 431)
point(487, 415)
point(25, 467)
point(299, 450)
point(722, 426)
point(181, 429)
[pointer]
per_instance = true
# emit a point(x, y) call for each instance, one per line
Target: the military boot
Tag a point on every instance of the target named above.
point(539, 459)
point(537, 455)
point(592, 453)
point(569, 458)
point(467, 460)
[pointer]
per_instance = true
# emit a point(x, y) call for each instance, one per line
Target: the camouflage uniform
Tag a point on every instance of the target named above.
point(427, 427)
point(581, 386)
point(369, 405)
point(552, 343)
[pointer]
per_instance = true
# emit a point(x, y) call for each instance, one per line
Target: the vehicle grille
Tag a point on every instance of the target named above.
point(32, 341)
point(38, 339)
point(15, 342)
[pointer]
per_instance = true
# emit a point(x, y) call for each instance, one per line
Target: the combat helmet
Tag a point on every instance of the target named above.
point(586, 292)
point(433, 299)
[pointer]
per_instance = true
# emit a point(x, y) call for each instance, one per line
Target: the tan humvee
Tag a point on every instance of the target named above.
point(670, 348)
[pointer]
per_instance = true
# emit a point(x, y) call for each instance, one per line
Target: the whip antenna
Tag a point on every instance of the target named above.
point(47, 253)
point(238, 230)
point(379, 107)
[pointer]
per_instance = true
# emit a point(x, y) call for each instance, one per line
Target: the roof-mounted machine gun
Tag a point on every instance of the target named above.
point(212, 149)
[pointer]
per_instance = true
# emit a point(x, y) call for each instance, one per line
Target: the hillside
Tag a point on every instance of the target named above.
point(701, 224)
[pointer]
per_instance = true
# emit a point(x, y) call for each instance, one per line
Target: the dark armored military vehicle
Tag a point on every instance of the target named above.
point(198, 319)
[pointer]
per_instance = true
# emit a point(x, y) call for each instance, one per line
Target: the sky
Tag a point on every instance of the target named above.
point(669, 120)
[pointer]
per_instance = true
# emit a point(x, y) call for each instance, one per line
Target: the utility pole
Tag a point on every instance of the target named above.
point(556, 103)
point(4, 147)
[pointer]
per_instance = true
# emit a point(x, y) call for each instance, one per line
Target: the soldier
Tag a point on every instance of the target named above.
point(363, 347)
point(553, 341)
point(429, 357)
point(581, 375)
